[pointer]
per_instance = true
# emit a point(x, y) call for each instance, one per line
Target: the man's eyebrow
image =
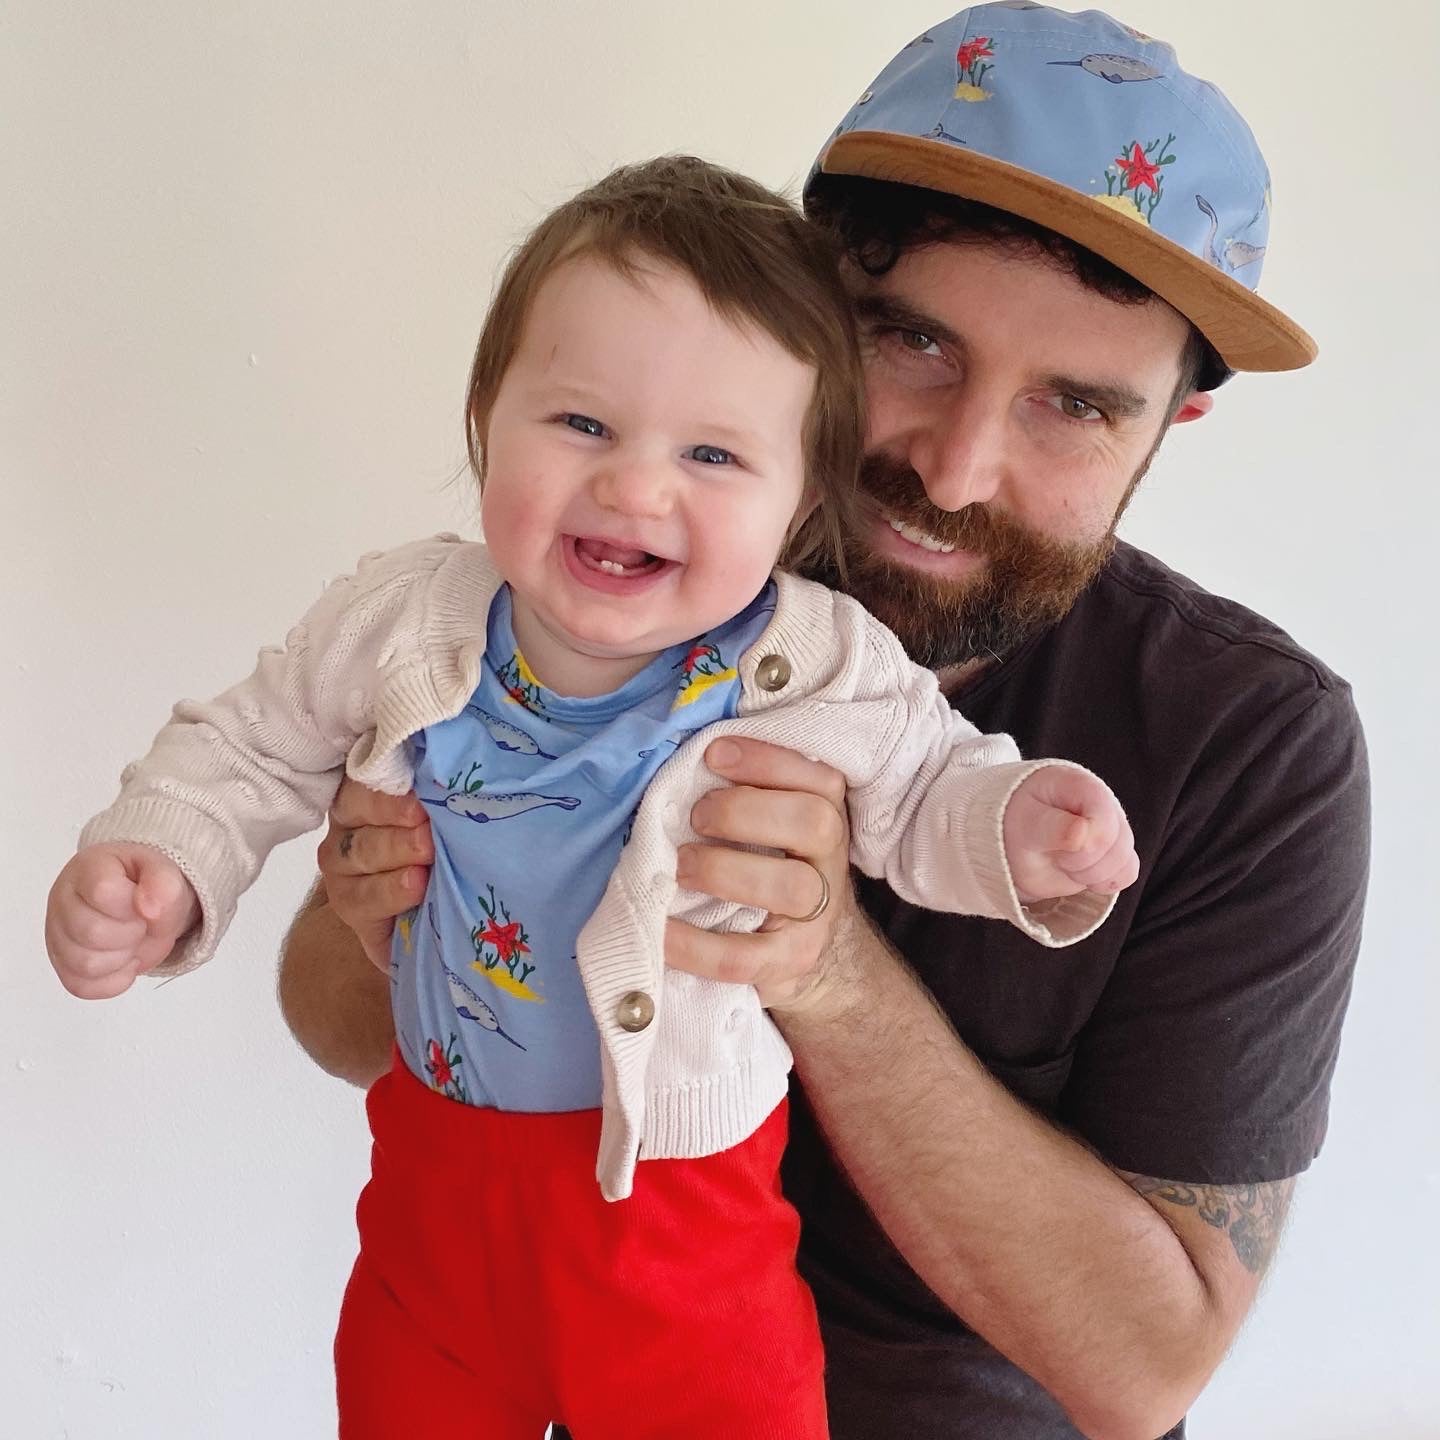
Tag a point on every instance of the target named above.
point(1117, 400)
point(1114, 397)
point(885, 310)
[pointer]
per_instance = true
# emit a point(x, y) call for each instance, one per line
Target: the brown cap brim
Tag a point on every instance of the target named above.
point(1248, 333)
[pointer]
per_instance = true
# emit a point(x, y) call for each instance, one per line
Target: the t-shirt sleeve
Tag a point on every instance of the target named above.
point(1209, 1056)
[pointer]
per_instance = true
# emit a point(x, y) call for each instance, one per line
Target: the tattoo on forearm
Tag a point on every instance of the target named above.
point(1252, 1215)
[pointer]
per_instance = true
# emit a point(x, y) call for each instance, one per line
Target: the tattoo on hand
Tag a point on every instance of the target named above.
point(1251, 1215)
point(347, 842)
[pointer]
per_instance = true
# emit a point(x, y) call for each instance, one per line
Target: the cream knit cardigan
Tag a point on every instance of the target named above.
point(398, 646)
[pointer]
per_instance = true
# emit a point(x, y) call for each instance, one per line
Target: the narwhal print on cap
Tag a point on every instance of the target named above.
point(1091, 128)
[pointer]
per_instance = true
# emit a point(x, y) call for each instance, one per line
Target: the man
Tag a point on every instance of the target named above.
point(1039, 1192)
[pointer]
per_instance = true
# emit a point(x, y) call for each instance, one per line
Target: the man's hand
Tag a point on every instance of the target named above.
point(1064, 833)
point(115, 911)
point(375, 860)
point(782, 801)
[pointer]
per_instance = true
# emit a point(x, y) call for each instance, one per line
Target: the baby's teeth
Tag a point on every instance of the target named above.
point(613, 567)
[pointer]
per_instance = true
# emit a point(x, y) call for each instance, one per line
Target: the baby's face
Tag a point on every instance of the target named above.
point(643, 464)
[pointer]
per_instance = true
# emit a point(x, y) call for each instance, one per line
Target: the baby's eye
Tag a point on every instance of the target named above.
point(711, 455)
point(584, 424)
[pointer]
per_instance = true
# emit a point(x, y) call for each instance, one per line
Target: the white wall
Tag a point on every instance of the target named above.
point(244, 251)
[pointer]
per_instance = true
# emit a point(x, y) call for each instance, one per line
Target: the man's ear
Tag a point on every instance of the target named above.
point(1198, 404)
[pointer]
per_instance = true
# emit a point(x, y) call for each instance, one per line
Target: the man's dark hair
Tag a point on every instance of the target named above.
point(876, 221)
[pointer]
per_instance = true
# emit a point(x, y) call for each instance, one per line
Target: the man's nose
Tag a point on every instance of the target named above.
point(635, 485)
point(959, 452)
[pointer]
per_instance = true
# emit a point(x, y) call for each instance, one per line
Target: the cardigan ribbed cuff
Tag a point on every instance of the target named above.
point(1052, 923)
point(202, 849)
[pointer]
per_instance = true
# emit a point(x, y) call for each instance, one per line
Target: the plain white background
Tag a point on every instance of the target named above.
point(244, 253)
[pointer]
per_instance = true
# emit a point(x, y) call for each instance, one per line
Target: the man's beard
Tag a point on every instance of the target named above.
point(1026, 585)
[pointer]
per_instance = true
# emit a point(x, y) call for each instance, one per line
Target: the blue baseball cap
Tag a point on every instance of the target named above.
point(1083, 125)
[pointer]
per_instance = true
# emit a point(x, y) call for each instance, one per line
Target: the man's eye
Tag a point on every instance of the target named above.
point(584, 424)
point(917, 341)
point(711, 455)
point(1072, 407)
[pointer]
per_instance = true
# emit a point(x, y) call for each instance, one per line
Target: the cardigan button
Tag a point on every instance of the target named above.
point(772, 673)
point(635, 1011)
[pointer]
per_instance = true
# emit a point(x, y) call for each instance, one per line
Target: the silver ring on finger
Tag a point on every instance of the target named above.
point(823, 903)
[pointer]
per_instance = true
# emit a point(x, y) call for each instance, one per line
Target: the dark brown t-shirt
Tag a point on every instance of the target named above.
point(1193, 1037)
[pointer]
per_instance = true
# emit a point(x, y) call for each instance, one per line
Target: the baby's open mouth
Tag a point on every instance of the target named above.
point(616, 559)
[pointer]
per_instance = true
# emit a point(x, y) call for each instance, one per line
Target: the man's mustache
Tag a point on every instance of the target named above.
point(900, 492)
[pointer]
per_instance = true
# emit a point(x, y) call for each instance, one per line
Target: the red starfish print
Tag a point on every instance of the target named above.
point(439, 1065)
point(1138, 170)
point(973, 50)
point(506, 940)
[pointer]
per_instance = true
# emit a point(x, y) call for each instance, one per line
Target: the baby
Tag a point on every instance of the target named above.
point(665, 400)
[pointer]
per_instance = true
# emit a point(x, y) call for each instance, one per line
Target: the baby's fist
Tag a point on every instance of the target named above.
point(115, 911)
point(1064, 833)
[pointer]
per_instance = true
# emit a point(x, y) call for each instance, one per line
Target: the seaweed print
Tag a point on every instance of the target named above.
point(971, 69)
point(469, 799)
point(501, 945)
point(522, 687)
point(702, 667)
point(443, 1068)
point(1133, 173)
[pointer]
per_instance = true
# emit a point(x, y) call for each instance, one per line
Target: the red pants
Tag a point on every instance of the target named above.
point(496, 1290)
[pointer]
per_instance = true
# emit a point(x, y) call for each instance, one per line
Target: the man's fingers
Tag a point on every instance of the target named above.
point(762, 958)
point(797, 821)
point(362, 900)
point(373, 850)
point(784, 887)
point(357, 806)
point(773, 767)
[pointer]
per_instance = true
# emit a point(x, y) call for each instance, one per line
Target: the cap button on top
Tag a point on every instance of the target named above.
point(635, 1011)
point(772, 673)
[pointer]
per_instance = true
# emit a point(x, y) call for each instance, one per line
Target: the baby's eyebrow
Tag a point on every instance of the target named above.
point(727, 436)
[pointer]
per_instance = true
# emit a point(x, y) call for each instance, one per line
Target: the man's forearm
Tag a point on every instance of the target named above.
point(1033, 1241)
point(336, 1003)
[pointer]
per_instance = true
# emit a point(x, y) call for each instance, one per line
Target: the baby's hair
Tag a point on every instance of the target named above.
point(755, 259)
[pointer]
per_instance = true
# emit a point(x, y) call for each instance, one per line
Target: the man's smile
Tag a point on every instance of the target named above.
point(908, 544)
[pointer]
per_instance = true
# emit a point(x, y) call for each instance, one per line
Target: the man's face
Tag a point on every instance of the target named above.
point(1011, 411)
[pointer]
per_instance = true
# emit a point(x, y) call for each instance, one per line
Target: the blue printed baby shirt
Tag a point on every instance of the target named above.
point(531, 795)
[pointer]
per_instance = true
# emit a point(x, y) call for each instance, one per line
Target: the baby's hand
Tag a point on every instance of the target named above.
point(1065, 832)
point(115, 911)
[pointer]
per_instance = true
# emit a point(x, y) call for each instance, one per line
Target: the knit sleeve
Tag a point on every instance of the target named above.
point(227, 780)
point(931, 820)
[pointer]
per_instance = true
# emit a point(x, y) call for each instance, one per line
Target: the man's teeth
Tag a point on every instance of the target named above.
point(919, 537)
